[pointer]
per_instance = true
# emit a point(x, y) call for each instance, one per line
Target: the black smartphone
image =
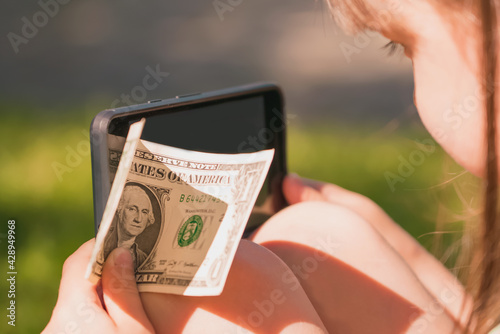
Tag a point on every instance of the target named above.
point(240, 119)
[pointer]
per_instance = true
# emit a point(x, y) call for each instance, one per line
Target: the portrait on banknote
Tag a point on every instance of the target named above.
point(137, 223)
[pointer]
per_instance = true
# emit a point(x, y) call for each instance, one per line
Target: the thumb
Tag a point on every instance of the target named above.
point(296, 190)
point(121, 296)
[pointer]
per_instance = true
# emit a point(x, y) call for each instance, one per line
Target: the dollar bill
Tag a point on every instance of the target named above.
point(181, 213)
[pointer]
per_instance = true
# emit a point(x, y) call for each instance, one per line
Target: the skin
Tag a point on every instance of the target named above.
point(442, 41)
point(256, 298)
point(439, 282)
point(115, 306)
point(357, 250)
point(399, 287)
point(80, 304)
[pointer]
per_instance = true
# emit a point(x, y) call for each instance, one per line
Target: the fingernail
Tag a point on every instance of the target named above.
point(122, 257)
point(293, 176)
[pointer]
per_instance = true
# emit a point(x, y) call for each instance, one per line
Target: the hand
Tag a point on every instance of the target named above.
point(297, 189)
point(81, 308)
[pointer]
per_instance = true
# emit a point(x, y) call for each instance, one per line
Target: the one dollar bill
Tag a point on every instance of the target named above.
point(181, 213)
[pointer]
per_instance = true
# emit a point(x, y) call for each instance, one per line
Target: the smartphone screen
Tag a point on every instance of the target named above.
point(229, 127)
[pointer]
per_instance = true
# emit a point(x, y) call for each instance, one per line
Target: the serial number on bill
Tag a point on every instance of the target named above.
point(198, 198)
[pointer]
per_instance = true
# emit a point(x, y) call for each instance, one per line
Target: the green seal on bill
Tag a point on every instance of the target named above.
point(190, 231)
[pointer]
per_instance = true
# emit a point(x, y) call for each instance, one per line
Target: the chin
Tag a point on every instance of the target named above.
point(474, 167)
point(472, 160)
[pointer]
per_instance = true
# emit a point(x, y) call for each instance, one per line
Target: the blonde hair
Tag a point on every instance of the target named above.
point(484, 275)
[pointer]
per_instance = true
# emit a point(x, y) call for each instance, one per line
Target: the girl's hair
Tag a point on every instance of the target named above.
point(484, 275)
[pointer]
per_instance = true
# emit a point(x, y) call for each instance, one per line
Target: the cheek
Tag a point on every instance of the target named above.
point(127, 216)
point(128, 219)
point(449, 103)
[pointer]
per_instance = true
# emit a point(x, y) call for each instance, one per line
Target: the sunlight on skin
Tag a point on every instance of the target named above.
point(301, 327)
point(356, 253)
point(256, 297)
point(205, 320)
point(204, 324)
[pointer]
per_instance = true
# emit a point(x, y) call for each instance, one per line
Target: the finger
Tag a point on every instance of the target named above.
point(296, 190)
point(74, 286)
point(334, 193)
point(78, 301)
point(120, 293)
point(338, 195)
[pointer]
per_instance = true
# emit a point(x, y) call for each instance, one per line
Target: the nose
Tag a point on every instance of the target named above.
point(140, 216)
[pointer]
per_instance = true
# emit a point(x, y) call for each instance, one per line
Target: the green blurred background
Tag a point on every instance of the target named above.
point(352, 120)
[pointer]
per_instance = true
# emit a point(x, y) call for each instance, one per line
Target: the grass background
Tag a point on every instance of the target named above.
point(54, 216)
